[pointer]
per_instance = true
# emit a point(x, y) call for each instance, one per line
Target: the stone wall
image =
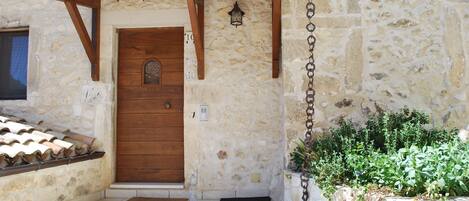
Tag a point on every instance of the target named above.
point(82, 181)
point(60, 92)
point(236, 151)
point(378, 54)
point(58, 68)
point(371, 54)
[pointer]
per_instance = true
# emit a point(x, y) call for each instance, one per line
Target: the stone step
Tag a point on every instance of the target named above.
point(127, 200)
point(122, 194)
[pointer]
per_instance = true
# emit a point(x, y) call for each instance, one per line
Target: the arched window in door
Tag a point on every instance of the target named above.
point(152, 72)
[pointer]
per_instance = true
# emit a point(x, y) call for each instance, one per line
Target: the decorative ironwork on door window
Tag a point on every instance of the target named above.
point(152, 72)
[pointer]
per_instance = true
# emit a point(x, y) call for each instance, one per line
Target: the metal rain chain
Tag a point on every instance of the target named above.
point(310, 97)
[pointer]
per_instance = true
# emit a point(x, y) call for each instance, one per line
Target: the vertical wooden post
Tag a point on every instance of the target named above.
point(196, 13)
point(96, 36)
point(201, 17)
point(276, 37)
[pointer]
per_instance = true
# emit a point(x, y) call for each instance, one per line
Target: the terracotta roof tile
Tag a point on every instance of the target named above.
point(57, 135)
point(27, 143)
point(6, 140)
point(3, 119)
point(3, 162)
point(80, 138)
point(35, 138)
point(3, 127)
point(15, 127)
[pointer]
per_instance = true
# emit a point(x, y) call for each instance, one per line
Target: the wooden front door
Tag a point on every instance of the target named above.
point(150, 140)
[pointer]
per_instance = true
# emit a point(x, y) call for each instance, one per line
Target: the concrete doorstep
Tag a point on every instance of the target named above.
point(150, 199)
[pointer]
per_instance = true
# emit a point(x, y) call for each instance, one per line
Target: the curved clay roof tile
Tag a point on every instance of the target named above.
point(3, 161)
point(11, 150)
point(25, 149)
point(7, 141)
point(57, 151)
point(58, 135)
point(78, 137)
point(24, 142)
point(46, 136)
point(18, 127)
point(69, 148)
point(4, 127)
point(43, 149)
point(35, 138)
point(66, 145)
point(80, 147)
point(17, 160)
point(20, 138)
point(3, 119)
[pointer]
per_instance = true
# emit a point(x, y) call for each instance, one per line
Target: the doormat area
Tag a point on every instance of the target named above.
point(246, 199)
point(156, 199)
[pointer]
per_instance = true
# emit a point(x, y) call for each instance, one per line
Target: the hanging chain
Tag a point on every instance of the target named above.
point(310, 97)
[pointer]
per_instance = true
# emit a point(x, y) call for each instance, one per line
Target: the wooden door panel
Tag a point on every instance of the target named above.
point(150, 137)
point(173, 79)
point(146, 36)
point(171, 134)
point(135, 79)
point(133, 93)
point(144, 52)
point(130, 79)
point(151, 148)
point(149, 175)
point(149, 121)
point(135, 65)
point(157, 105)
point(160, 163)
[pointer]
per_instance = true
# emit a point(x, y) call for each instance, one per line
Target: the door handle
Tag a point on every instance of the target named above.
point(167, 105)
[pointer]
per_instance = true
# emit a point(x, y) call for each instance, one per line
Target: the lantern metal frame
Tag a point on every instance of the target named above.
point(236, 15)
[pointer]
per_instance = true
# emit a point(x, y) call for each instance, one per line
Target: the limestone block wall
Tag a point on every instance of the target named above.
point(60, 92)
point(371, 54)
point(378, 54)
point(58, 69)
point(237, 150)
point(82, 181)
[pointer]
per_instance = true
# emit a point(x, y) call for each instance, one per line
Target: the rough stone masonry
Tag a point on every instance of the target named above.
point(371, 55)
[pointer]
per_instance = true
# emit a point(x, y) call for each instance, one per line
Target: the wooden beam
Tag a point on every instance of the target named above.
point(81, 29)
point(14, 29)
point(197, 25)
point(91, 45)
point(88, 3)
point(95, 39)
point(276, 36)
point(201, 17)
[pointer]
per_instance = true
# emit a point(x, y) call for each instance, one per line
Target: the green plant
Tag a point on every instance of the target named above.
point(298, 155)
point(394, 151)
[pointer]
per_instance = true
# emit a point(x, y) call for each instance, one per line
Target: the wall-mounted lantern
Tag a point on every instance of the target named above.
point(236, 15)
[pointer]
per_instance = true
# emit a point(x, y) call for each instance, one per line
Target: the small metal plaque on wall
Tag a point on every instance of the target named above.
point(203, 113)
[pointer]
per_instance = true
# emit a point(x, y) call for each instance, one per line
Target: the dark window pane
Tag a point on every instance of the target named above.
point(13, 65)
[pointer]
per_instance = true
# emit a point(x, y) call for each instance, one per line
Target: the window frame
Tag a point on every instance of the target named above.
point(26, 31)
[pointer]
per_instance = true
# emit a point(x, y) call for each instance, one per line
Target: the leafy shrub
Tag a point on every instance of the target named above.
point(391, 151)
